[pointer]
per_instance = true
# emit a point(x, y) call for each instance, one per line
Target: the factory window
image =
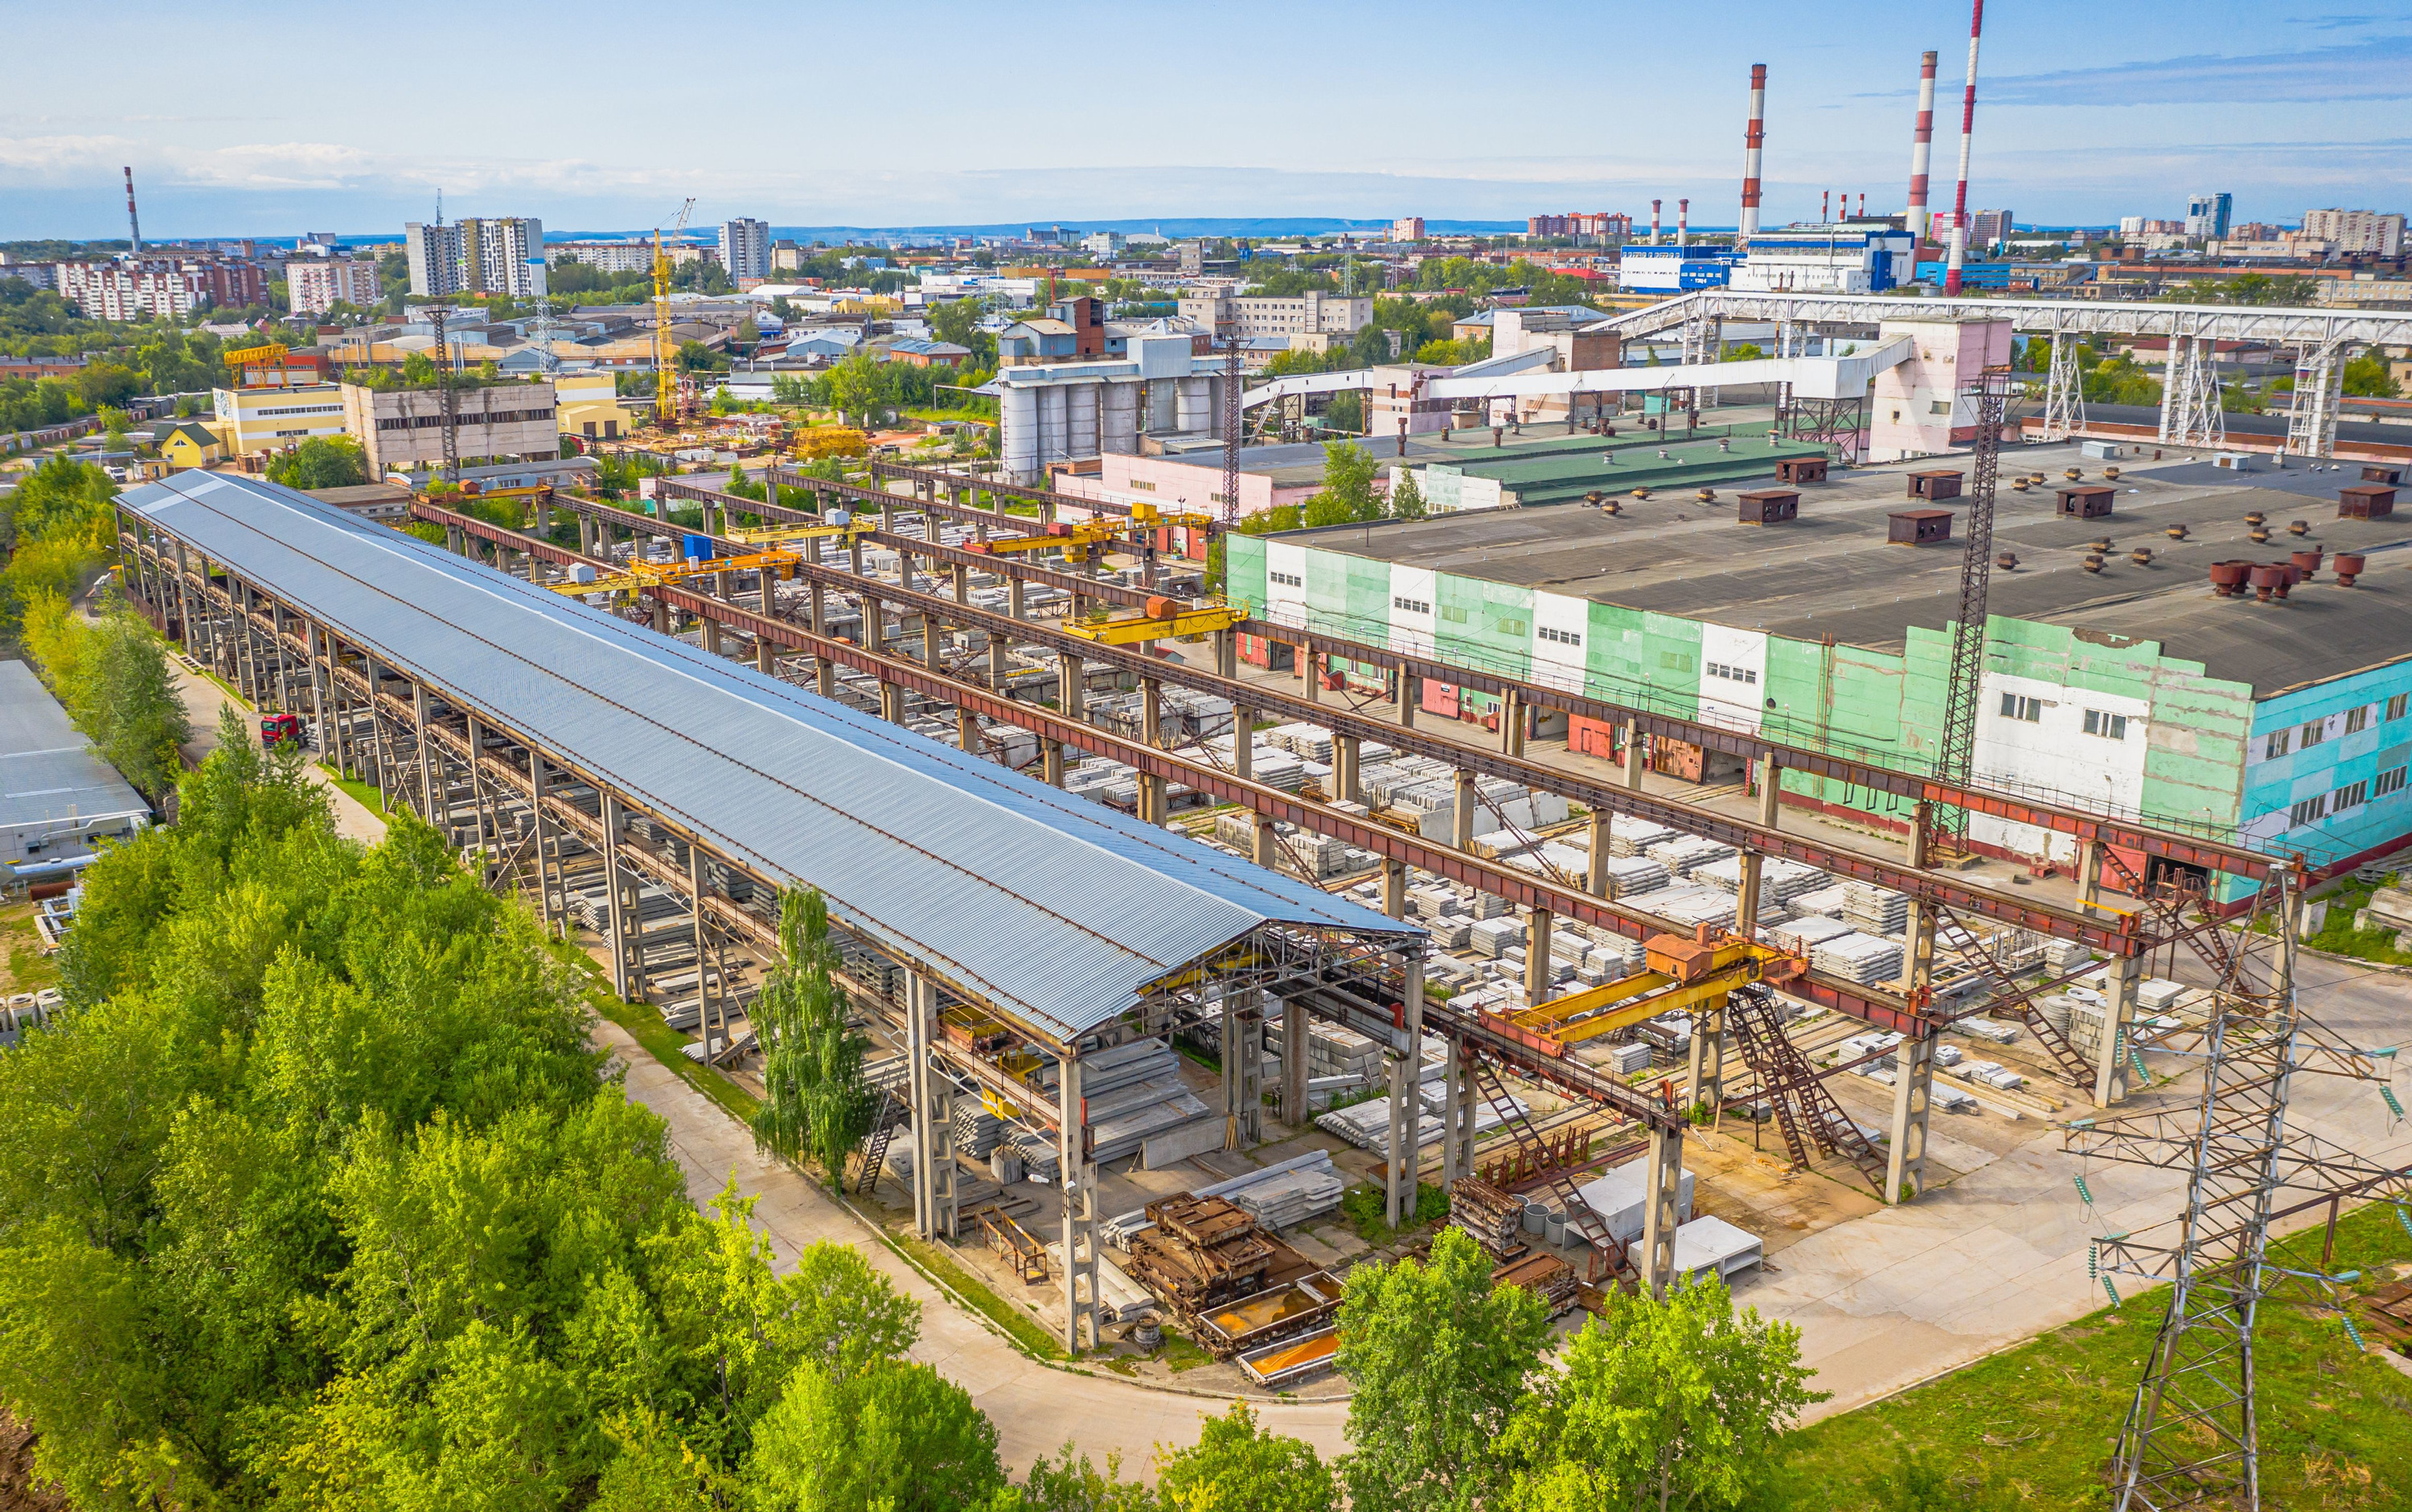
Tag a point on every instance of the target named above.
point(1940, 406)
point(1140, 484)
point(2390, 782)
point(1563, 638)
point(2278, 745)
point(1674, 661)
point(1413, 605)
point(2351, 795)
point(2357, 720)
point(2395, 704)
point(2019, 706)
point(2308, 810)
point(1452, 614)
point(1286, 579)
point(1733, 674)
point(2314, 733)
point(2110, 727)
point(1507, 626)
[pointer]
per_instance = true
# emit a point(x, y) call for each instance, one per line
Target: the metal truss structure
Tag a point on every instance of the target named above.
point(1838, 423)
point(1955, 759)
point(2319, 389)
point(2064, 390)
point(2191, 1433)
point(2190, 408)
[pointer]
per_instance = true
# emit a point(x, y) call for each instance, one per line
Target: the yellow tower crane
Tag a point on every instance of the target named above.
point(665, 349)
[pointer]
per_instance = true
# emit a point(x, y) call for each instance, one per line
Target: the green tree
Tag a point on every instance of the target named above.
point(124, 697)
point(320, 461)
point(1238, 1466)
point(1348, 494)
point(695, 356)
point(2369, 376)
point(1406, 497)
point(857, 386)
point(108, 383)
point(1674, 1403)
point(1346, 411)
point(814, 1099)
point(417, 370)
point(1439, 1360)
point(894, 1437)
point(1071, 1482)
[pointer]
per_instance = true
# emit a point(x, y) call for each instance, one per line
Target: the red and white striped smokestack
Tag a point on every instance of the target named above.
point(1921, 147)
point(1967, 130)
point(1826, 207)
point(1654, 223)
point(1863, 204)
point(132, 222)
point(1683, 223)
point(1752, 140)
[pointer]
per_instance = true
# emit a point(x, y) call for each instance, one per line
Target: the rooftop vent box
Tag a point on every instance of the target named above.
point(2387, 472)
point(1921, 527)
point(1798, 470)
point(2103, 450)
point(2236, 461)
point(1940, 484)
point(1770, 506)
point(2365, 501)
point(2086, 501)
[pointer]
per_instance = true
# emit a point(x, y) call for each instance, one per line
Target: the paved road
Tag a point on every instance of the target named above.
point(203, 699)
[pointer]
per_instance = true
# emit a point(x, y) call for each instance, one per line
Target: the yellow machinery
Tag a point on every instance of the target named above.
point(1074, 541)
point(640, 575)
point(242, 359)
point(1682, 975)
point(666, 409)
point(1163, 619)
point(783, 534)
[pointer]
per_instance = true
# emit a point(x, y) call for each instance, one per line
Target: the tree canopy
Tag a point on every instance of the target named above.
point(320, 461)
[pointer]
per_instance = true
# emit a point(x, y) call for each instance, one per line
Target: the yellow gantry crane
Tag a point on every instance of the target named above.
point(1682, 976)
point(665, 349)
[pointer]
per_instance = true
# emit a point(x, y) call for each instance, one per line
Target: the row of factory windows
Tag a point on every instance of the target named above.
point(2311, 732)
point(2101, 723)
point(2351, 795)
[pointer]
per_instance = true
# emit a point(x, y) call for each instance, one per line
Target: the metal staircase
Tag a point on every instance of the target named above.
point(1812, 1124)
point(1519, 1125)
point(884, 1124)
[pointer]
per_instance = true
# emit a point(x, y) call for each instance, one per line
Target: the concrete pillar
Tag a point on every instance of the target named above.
point(1406, 1104)
point(1461, 833)
point(1079, 1213)
point(917, 1101)
point(311, 642)
point(1707, 1057)
point(487, 831)
point(2122, 976)
point(554, 922)
point(1344, 749)
point(997, 662)
point(1227, 1038)
point(1151, 734)
point(1411, 695)
point(1015, 591)
point(1633, 762)
point(766, 657)
point(1071, 688)
point(874, 626)
point(1311, 660)
point(930, 632)
point(891, 702)
point(2089, 876)
point(1913, 1090)
point(1244, 742)
point(1296, 1040)
point(1263, 842)
point(1452, 1089)
point(1660, 1212)
point(616, 920)
point(1538, 978)
point(1051, 756)
point(710, 636)
point(1394, 888)
point(1595, 869)
point(1513, 714)
point(661, 615)
point(712, 1006)
point(428, 762)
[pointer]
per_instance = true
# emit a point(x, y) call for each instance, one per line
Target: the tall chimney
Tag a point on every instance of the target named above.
point(1654, 223)
point(1683, 223)
point(1752, 140)
point(1826, 208)
point(1863, 204)
point(132, 222)
point(1921, 147)
point(1967, 130)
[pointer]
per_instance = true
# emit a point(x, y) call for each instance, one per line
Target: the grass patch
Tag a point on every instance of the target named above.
point(364, 794)
point(1182, 1354)
point(1016, 1322)
point(1363, 1207)
point(668, 1046)
point(2338, 938)
point(29, 970)
point(2034, 1427)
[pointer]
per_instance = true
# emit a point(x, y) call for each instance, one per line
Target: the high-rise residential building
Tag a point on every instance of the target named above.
point(746, 249)
point(2357, 231)
point(488, 254)
point(128, 288)
point(2207, 214)
point(312, 287)
point(1407, 229)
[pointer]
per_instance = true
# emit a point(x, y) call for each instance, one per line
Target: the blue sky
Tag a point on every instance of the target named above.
point(274, 117)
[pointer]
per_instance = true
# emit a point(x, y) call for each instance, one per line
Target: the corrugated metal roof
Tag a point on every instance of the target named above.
point(1050, 907)
point(51, 783)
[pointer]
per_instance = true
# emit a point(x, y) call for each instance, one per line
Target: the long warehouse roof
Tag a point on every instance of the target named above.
point(1054, 909)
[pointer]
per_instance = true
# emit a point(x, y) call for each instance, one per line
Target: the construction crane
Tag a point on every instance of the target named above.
point(1161, 619)
point(665, 349)
point(242, 359)
point(1948, 830)
point(639, 576)
point(1682, 977)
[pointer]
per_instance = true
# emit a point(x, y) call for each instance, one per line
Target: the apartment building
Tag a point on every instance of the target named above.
point(746, 249)
point(2356, 231)
point(1267, 319)
point(314, 286)
point(403, 427)
point(1407, 229)
point(481, 255)
point(2207, 214)
point(157, 288)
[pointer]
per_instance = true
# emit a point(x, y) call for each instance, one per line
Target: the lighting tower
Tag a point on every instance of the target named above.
point(1967, 128)
point(1991, 393)
point(665, 350)
point(1231, 429)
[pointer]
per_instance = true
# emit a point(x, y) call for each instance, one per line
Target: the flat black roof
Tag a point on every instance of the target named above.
point(1832, 572)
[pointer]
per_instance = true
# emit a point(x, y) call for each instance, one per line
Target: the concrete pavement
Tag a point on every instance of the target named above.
point(203, 699)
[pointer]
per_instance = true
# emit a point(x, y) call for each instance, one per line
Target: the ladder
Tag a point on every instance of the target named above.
point(884, 1124)
point(1812, 1124)
point(1580, 1216)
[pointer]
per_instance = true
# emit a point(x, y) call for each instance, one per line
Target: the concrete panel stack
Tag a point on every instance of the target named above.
point(1862, 959)
point(1632, 875)
point(1778, 879)
point(1877, 910)
point(1686, 854)
point(1629, 836)
point(1799, 937)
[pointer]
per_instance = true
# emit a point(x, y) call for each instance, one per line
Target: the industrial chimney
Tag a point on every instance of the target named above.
point(132, 222)
point(1967, 130)
point(1654, 223)
point(1921, 147)
point(1826, 208)
point(1683, 223)
point(1753, 139)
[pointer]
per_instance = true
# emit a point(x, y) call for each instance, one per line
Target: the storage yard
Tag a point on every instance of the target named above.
point(1165, 956)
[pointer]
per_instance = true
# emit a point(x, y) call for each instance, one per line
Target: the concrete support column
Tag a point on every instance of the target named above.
point(1262, 842)
point(710, 1006)
point(585, 536)
point(917, 1101)
point(283, 663)
point(2089, 876)
point(1244, 742)
point(1071, 686)
point(661, 615)
point(1461, 830)
point(1015, 594)
point(486, 830)
point(1538, 978)
point(1595, 869)
point(1513, 714)
point(1297, 1041)
point(766, 657)
point(1051, 757)
point(311, 642)
point(1913, 1090)
point(1452, 1089)
point(1411, 696)
point(1660, 1212)
point(892, 702)
point(1633, 762)
point(1344, 750)
point(1407, 1105)
point(997, 662)
point(1707, 1057)
point(1080, 1212)
point(1394, 888)
point(710, 636)
point(2122, 976)
point(1229, 1033)
point(615, 919)
point(1311, 660)
point(874, 626)
point(1151, 805)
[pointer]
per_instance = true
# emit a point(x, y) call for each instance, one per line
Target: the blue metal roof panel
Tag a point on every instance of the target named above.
point(1054, 908)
